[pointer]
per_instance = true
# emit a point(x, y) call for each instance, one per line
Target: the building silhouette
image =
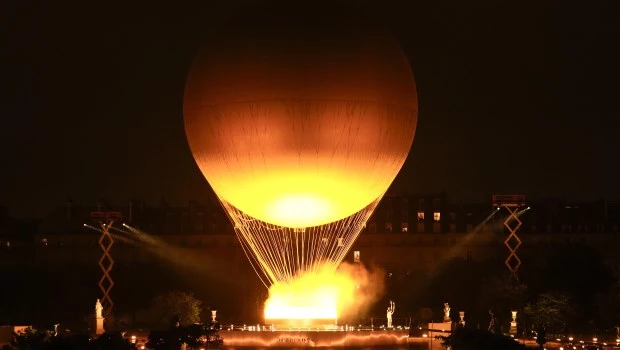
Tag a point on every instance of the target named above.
point(406, 229)
point(194, 246)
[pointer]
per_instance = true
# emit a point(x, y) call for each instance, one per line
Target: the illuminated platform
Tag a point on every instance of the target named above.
point(314, 338)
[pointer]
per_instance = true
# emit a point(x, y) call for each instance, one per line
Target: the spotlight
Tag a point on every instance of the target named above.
point(528, 208)
point(85, 225)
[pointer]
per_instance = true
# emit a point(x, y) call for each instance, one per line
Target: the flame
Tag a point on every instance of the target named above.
point(325, 295)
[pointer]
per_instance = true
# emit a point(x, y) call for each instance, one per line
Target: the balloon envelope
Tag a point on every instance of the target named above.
point(300, 120)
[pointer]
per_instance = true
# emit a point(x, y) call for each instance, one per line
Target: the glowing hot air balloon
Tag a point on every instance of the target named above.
point(300, 120)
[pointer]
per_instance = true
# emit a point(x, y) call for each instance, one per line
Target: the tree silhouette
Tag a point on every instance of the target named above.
point(180, 305)
point(552, 311)
point(471, 339)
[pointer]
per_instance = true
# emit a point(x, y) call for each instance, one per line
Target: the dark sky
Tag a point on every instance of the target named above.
point(514, 97)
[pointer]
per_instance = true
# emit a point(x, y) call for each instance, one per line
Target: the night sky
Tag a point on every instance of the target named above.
point(514, 97)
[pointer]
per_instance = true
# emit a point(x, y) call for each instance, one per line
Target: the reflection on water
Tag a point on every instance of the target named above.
point(423, 346)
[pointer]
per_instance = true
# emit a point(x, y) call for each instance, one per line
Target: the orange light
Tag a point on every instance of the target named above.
point(308, 297)
point(298, 210)
point(307, 173)
point(325, 296)
point(304, 139)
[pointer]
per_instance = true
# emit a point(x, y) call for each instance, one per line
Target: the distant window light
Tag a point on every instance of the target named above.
point(388, 226)
point(420, 216)
point(436, 216)
point(356, 256)
point(404, 227)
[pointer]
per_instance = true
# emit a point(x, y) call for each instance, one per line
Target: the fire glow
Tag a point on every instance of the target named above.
point(326, 296)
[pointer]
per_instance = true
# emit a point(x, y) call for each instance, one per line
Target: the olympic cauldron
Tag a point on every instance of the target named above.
point(300, 115)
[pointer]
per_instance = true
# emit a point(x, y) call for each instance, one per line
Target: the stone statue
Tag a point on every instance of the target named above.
point(446, 312)
point(98, 309)
point(390, 312)
point(492, 322)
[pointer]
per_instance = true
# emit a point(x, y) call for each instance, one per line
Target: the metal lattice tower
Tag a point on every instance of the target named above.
point(106, 262)
point(514, 205)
